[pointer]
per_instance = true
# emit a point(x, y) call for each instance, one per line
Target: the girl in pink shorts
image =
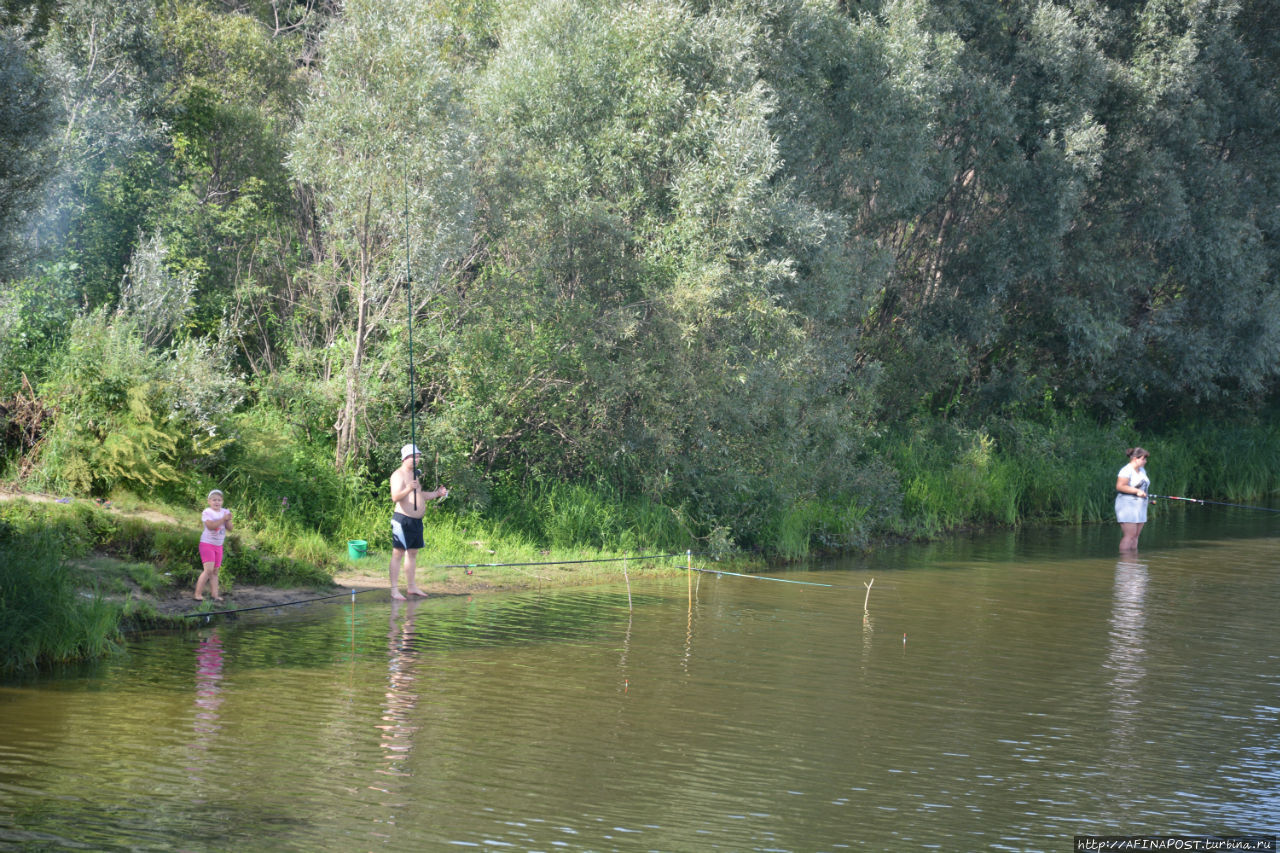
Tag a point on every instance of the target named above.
point(215, 524)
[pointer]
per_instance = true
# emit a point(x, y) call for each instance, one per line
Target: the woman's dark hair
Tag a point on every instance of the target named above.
point(1136, 453)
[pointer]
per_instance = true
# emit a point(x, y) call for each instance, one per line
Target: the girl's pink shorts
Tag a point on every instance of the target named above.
point(211, 554)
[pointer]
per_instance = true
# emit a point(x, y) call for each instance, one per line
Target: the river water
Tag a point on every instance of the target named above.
point(1002, 692)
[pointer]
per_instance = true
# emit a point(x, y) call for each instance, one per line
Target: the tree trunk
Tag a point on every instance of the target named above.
point(353, 403)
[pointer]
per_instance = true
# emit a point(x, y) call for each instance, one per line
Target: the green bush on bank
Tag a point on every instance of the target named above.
point(568, 516)
point(918, 480)
point(45, 615)
point(44, 618)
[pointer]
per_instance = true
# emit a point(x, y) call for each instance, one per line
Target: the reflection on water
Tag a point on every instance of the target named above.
point(397, 727)
point(1126, 650)
point(208, 688)
point(1048, 691)
point(208, 699)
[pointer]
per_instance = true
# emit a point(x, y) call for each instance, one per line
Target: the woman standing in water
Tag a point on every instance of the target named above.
point(1131, 498)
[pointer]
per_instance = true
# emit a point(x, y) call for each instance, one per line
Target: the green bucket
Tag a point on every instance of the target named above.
point(356, 548)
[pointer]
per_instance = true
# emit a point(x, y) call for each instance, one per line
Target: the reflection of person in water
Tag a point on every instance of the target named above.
point(208, 686)
point(1126, 653)
point(402, 655)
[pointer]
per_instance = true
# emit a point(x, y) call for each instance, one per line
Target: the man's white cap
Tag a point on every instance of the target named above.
point(408, 450)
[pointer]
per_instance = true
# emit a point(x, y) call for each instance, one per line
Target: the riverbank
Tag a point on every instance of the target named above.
point(173, 602)
point(138, 559)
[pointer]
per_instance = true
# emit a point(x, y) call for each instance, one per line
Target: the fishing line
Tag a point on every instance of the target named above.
point(755, 577)
point(550, 562)
point(623, 559)
point(353, 593)
point(1239, 506)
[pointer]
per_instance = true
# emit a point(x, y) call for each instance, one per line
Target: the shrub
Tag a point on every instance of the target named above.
point(43, 618)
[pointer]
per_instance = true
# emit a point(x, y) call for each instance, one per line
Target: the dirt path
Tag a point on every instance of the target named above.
point(149, 515)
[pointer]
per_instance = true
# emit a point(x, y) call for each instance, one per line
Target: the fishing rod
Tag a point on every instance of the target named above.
point(408, 289)
point(623, 559)
point(1215, 503)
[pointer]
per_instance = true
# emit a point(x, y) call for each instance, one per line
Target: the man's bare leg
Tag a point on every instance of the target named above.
point(410, 571)
point(396, 556)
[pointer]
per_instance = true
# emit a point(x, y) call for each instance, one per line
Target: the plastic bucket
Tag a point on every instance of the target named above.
point(356, 548)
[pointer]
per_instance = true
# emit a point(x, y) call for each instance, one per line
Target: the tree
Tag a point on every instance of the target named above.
point(230, 213)
point(640, 313)
point(26, 121)
point(385, 143)
point(106, 66)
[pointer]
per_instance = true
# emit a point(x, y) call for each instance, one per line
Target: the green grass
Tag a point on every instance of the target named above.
point(456, 543)
point(923, 480)
point(44, 618)
point(119, 577)
point(1008, 473)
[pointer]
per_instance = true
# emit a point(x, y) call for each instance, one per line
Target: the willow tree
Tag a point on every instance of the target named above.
point(1097, 223)
point(384, 145)
point(1179, 233)
point(230, 216)
point(78, 156)
point(642, 249)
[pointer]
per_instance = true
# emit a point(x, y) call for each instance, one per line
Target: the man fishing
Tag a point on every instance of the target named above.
point(406, 520)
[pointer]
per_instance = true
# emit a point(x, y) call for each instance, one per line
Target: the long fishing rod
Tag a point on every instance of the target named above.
point(408, 289)
point(1215, 503)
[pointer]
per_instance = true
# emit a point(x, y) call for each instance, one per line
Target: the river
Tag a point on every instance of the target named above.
point(1005, 691)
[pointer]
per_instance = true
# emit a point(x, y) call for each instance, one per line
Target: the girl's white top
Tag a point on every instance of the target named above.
point(213, 537)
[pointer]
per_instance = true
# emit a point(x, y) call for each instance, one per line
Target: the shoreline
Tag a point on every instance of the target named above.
point(174, 602)
point(178, 604)
point(170, 602)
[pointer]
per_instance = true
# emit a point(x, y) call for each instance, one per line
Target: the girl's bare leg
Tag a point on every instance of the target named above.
point(209, 577)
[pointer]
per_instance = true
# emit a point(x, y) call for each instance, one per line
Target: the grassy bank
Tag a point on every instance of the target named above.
point(925, 479)
point(72, 573)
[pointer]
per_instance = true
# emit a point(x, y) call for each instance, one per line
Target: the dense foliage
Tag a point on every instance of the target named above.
point(768, 273)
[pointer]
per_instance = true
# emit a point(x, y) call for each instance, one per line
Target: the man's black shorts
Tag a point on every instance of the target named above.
point(406, 532)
